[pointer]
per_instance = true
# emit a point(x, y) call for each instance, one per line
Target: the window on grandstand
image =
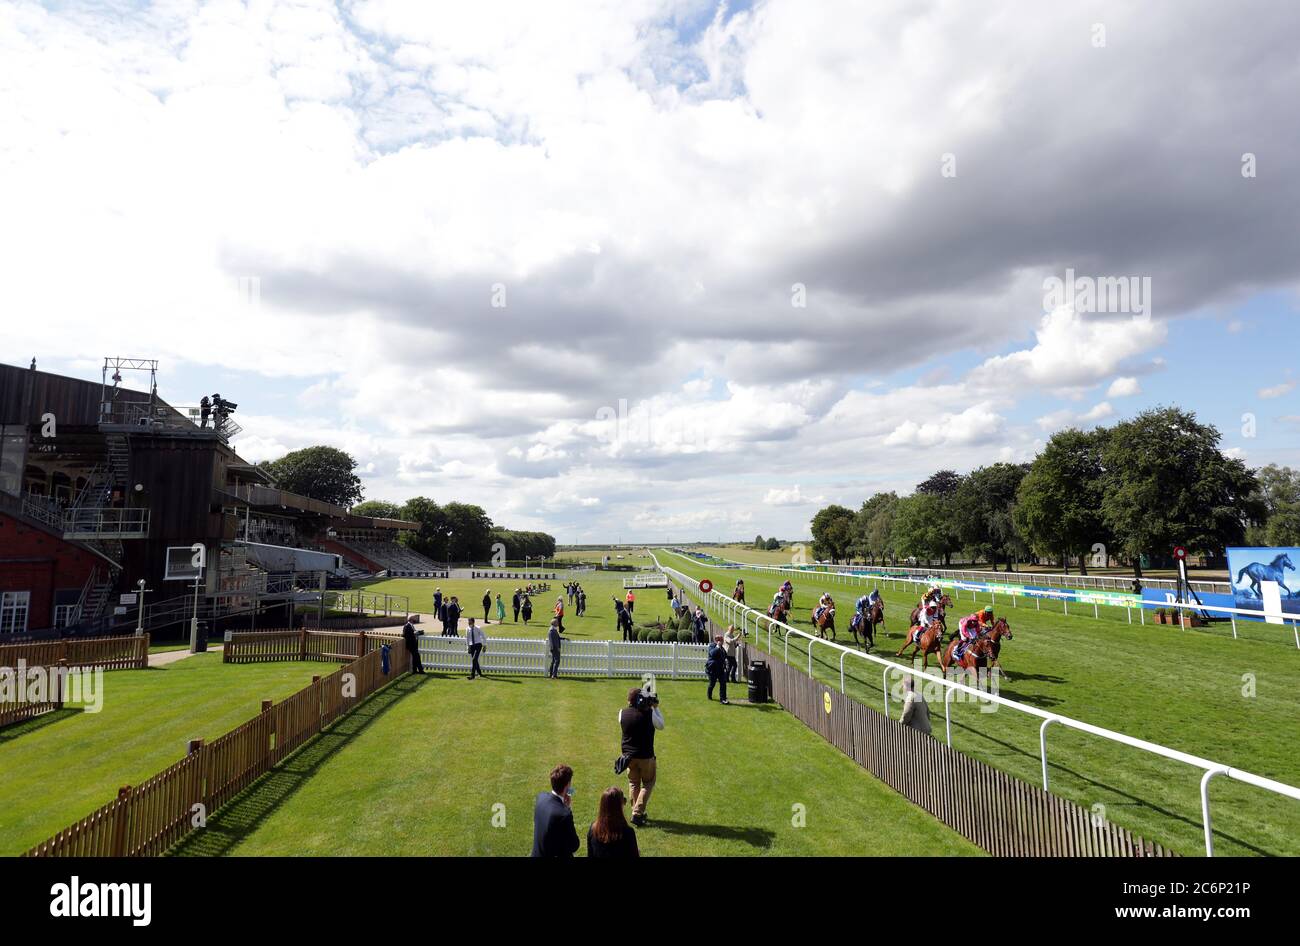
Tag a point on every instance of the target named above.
point(13, 454)
point(13, 611)
point(64, 614)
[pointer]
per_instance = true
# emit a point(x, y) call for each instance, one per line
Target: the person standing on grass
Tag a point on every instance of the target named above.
point(501, 610)
point(610, 835)
point(731, 641)
point(582, 601)
point(442, 616)
point(515, 602)
point(715, 665)
point(638, 722)
point(527, 609)
point(559, 613)
point(453, 617)
point(409, 635)
point(553, 832)
point(437, 602)
point(476, 639)
point(630, 601)
point(701, 625)
point(487, 605)
point(916, 712)
point(553, 642)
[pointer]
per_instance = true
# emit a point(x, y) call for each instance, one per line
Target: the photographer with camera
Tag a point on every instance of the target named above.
point(638, 721)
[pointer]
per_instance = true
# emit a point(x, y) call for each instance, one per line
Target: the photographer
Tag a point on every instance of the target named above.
point(639, 720)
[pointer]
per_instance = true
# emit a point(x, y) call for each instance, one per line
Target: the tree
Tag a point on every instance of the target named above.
point(430, 539)
point(1058, 503)
point(872, 526)
point(1284, 525)
point(832, 532)
point(982, 510)
point(1166, 483)
point(772, 545)
point(759, 543)
point(922, 527)
point(322, 473)
point(944, 483)
point(377, 509)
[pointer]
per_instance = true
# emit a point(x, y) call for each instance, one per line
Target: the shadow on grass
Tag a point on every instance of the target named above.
point(754, 837)
point(18, 730)
point(242, 816)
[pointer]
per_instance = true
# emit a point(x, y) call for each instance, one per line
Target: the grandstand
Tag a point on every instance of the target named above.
point(98, 481)
point(376, 551)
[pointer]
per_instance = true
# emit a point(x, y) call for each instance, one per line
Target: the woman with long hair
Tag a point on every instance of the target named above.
point(610, 835)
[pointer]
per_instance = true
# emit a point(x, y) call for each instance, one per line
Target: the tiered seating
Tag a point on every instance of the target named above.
point(397, 560)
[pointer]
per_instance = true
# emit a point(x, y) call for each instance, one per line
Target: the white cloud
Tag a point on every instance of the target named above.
point(1124, 387)
point(1277, 390)
point(790, 497)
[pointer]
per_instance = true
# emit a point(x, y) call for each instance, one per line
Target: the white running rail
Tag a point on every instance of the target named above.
point(735, 611)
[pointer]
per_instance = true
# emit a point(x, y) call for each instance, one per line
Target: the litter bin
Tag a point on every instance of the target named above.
point(760, 684)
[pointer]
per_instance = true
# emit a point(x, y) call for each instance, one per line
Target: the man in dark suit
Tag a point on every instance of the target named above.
point(453, 617)
point(553, 641)
point(515, 603)
point(409, 635)
point(553, 832)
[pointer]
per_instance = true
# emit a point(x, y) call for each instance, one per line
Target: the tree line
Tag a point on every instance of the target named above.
point(1137, 488)
point(451, 532)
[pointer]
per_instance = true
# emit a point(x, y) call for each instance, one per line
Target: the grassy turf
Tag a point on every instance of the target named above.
point(61, 766)
point(1230, 701)
point(418, 769)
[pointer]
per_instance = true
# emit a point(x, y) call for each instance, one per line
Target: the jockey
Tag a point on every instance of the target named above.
point(929, 614)
point(933, 595)
point(867, 602)
point(974, 626)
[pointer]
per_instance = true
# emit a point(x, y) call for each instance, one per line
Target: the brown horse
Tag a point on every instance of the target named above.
point(977, 657)
point(926, 641)
point(944, 604)
point(825, 621)
point(867, 624)
point(1000, 630)
point(779, 611)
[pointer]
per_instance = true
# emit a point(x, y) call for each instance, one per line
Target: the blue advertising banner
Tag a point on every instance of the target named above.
point(1249, 569)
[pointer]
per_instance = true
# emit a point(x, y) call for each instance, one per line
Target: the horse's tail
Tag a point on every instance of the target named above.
point(1240, 573)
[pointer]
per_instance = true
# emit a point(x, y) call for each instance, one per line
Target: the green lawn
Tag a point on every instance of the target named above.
point(1188, 690)
point(61, 766)
point(419, 769)
point(597, 624)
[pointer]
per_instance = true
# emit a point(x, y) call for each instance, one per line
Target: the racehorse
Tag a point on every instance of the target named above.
point(1000, 630)
point(944, 604)
point(778, 610)
point(1274, 571)
point(925, 640)
point(825, 621)
point(739, 593)
point(866, 622)
point(976, 658)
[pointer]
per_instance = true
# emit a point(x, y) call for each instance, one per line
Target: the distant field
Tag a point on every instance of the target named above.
point(597, 624)
point(622, 556)
point(1232, 701)
point(61, 766)
point(421, 769)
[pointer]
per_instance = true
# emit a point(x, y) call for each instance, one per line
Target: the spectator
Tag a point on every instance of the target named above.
point(527, 609)
point(501, 610)
point(638, 721)
point(515, 601)
point(409, 635)
point(672, 602)
point(487, 605)
point(442, 617)
point(715, 665)
point(559, 613)
point(732, 644)
point(453, 617)
point(624, 620)
point(916, 712)
point(475, 639)
point(582, 601)
point(630, 601)
point(437, 601)
point(701, 626)
point(553, 832)
point(610, 835)
point(553, 642)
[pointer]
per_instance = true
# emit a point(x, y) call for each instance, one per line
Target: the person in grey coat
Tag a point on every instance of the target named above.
point(553, 642)
point(916, 712)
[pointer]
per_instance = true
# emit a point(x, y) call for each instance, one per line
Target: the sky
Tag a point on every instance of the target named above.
point(662, 270)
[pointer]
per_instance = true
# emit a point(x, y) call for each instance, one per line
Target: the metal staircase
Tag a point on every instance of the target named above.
point(92, 516)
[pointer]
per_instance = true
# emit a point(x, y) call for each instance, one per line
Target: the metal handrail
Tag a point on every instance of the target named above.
point(1209, 767)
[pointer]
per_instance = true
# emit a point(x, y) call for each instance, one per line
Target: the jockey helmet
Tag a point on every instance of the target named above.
point(988, 611)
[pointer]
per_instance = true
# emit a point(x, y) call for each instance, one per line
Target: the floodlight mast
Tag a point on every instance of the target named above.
point(116, 365)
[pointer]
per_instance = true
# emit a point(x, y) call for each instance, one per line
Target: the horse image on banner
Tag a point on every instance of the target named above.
point(1254, 573)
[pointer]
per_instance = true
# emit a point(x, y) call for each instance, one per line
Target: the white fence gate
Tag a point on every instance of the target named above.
point(672, 661)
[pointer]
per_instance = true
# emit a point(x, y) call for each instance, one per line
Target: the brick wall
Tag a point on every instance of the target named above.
point(32, 560)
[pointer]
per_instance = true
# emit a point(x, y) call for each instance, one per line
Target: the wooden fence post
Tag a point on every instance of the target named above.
point(60, 670)
point(302, 644)
point(121, 819)
point(361, 644)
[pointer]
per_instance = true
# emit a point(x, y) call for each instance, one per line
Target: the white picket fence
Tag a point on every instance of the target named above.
point(513, 655)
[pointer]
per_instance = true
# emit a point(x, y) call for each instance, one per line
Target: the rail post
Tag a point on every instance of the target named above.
point(1205, 808)
point(1042, 747)
point(947, 713)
